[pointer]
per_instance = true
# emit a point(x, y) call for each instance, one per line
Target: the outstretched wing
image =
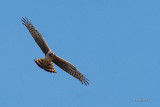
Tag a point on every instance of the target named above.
point(36, 35)
point(70, 69)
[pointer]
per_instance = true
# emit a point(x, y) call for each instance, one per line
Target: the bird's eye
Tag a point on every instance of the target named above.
point(51, 54)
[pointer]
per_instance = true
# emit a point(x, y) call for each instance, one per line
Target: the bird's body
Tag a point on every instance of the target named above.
point(50, 58)
point(46, 63)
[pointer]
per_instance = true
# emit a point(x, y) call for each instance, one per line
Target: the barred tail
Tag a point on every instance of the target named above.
point(48, 66)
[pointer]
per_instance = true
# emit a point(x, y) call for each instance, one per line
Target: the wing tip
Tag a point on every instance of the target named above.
point(25, 21)
point(84, 81)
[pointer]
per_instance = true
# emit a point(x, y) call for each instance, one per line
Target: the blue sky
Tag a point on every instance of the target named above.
point(115, 43)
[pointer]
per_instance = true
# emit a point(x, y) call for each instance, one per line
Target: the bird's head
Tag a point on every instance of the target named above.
point(52, 54)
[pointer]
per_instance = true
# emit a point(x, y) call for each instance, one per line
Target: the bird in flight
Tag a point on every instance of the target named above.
point(46, 63)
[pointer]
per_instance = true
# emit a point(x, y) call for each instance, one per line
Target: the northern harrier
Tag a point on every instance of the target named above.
point(46, 63)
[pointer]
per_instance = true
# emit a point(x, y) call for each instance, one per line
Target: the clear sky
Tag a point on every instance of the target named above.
point(115, 43)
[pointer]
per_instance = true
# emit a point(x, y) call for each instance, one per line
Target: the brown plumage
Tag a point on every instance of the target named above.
point(46, 63)
point(70, 69)
point(36, 35)
point(48, 66)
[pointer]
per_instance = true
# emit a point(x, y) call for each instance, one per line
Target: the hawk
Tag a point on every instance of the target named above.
point(46, 63)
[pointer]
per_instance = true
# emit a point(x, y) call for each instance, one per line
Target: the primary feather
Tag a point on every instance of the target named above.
point(36, 35)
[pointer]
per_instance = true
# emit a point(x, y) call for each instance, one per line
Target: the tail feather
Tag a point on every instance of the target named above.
point(48, 66)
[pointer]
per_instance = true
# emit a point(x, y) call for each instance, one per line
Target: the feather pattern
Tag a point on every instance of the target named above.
point(48, 66)
point(36, 35)
point(70, 69)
